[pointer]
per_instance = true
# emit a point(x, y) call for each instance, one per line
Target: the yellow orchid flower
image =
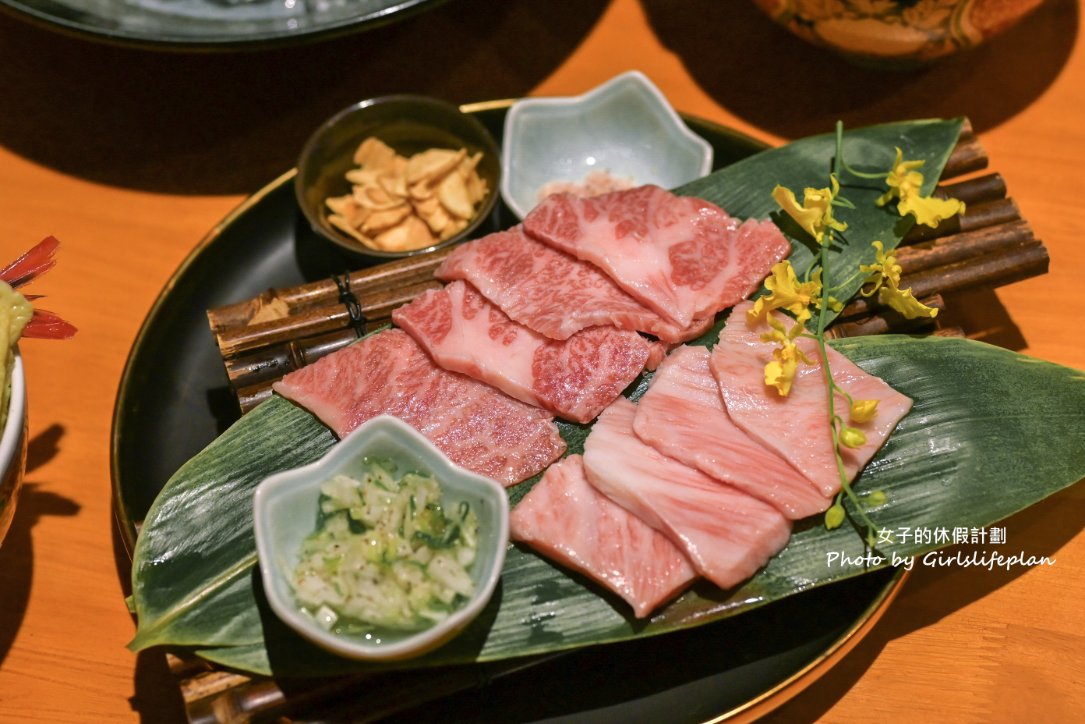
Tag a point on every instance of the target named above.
point(903, 180)
point(885, 276)
point(815, 214)
point(930, 210)
point(780, 371)
point(851, 437)
point(786, 292)
point(902, 301)
point(863, 410)
point(905, 184)
point(884, 270)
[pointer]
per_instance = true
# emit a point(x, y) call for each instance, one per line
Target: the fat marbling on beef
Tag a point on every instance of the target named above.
point(550, 291)
point(797, 426)
point(567, 520)
point(574, 379)
point(727, 534)
point(682, 415)
point(681, 256)
point(477, 426)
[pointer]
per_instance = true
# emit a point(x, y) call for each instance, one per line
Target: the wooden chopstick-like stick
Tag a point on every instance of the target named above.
point(967, 156)
point(964, 245)
point(273, 361)
point(885, 321)
point(250, 396)
point(985, 205)
point(372, 280)
point(981, 188)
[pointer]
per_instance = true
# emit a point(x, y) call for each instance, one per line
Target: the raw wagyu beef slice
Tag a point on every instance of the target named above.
point(682, 416)
point(727, 534)
point(682, 256)
point(575, 379)
point(552, 292)
point(567, 520)
point(797, 426)
point(477, 426)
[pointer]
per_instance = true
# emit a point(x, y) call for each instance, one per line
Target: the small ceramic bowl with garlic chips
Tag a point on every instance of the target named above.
point(397, 176)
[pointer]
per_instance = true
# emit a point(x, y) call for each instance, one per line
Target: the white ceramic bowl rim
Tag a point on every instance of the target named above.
point(335, 459)
point(11, 439)
point(631, 77)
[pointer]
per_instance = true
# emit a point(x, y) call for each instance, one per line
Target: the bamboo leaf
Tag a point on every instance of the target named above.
point(192, 566)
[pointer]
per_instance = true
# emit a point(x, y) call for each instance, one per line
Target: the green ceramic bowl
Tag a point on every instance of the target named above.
point(285, 508)
point(407, 123)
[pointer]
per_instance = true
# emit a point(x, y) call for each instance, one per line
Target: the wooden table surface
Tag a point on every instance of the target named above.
point(130, 156)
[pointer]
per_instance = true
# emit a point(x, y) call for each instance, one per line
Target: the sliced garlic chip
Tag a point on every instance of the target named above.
point(374, 154)
point(399, 204)
point(432, 165)
point(411, 234)
point(452, 193)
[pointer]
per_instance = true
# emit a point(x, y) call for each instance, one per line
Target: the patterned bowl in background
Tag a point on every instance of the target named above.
point(896, 33)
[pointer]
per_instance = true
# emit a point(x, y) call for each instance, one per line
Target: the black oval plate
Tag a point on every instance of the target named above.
point(174, 399)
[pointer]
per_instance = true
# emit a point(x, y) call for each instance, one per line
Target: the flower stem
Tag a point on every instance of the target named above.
point(836, 421)
point(846, 282)
point(839, 159)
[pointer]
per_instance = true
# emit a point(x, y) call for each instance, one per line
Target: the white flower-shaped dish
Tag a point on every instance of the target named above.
point(624, 127)
point(285, 508)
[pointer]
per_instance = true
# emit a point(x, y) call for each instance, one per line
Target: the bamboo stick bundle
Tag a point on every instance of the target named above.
point(276, 303)
point(375, 307)
point(264, 312)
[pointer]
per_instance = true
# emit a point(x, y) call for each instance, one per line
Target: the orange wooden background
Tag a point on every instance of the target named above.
point(131, 156)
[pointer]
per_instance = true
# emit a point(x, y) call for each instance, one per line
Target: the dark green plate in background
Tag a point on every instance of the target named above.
point(209, 24)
